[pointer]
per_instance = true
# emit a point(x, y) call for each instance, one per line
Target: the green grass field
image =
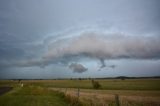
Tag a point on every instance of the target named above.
point(32, 96)
point(44, 92)
point(113, 84)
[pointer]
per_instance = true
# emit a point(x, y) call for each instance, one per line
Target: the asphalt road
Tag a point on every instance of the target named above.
point(5, 89)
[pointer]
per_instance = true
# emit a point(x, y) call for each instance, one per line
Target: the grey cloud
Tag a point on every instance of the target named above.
point(24, 63)
point(104, 66)
point(112, 66)
point(77, 68)
point(102, 63)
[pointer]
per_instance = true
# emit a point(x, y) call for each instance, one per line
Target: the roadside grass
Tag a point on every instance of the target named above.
point(32, 96)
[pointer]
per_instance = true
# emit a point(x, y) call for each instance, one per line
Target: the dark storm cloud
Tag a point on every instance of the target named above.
point(77, 68)
point(112, 66)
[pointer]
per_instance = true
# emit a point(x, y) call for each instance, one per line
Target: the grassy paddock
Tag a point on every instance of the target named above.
point(112, 84)
point(92, 97)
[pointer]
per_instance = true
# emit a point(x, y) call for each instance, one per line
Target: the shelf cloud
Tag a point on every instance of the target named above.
point(103, 47)
point(97, 46)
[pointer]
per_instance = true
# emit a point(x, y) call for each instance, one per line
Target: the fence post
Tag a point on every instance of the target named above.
point(117, 99)
point(77, 101)
point(78, 93)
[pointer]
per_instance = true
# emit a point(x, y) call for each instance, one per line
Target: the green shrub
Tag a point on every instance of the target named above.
point(95, 84)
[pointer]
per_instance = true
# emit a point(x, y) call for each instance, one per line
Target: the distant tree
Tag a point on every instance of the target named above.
point(122, 77)
point(95, 84)
point(89, 78)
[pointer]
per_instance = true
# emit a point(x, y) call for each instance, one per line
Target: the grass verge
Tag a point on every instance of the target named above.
point(32, 96)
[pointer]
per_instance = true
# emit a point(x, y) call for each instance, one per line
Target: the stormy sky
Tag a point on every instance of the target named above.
point(85, 38)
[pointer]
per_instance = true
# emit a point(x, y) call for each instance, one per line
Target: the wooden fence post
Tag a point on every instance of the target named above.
point(117, 100)
point(78, 93)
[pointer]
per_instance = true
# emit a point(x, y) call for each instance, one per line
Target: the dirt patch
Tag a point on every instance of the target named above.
point(5, 89)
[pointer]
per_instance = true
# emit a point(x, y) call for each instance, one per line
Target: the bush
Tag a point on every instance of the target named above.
point(95, 84)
